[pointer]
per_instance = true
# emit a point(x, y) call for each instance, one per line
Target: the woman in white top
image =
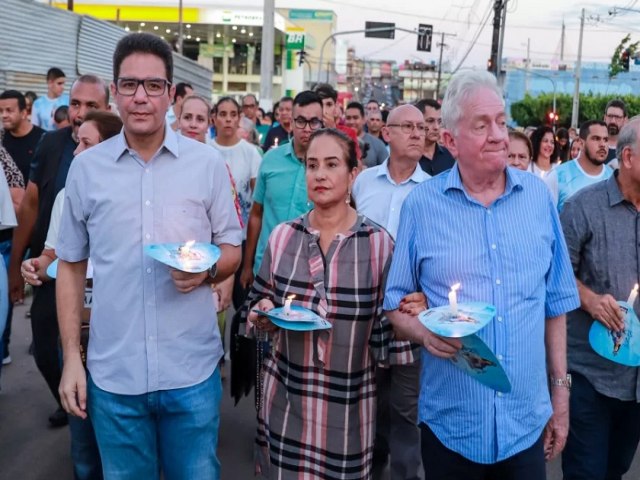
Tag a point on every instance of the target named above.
point(544, 151)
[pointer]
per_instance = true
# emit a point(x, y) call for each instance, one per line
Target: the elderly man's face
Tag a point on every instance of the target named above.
point(480, 141)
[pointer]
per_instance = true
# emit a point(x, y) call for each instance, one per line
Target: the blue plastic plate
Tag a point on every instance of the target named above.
point(201, 257)
point(477, 360)
point(301, 319)
point(620, 347)
point(472, 316)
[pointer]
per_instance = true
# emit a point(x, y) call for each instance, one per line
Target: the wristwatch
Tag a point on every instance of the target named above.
point(213, 271)
point(561, 382)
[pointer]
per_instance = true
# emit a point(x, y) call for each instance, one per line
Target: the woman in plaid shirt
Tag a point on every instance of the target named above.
point(316, 420)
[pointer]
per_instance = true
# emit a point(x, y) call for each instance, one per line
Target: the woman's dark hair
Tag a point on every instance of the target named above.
point(536, 140)
point(348, 145)
point(143, 43)
point(227, 99)
point(515, 135)
point(563, 152)
point(108, 124)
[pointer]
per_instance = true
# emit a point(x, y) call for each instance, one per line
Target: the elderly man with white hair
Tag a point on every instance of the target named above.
point(495, 230)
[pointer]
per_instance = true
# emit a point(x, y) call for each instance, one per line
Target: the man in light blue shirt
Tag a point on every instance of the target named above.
point(495, 230)
point(154, 387)
point(44, 107)
point(379, 193)
point(589, 168)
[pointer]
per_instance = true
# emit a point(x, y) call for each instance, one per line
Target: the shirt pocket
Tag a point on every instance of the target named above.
point(181, 223)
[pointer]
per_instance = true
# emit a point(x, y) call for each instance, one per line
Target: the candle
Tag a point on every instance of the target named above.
point(287, 304)
point(633, 295)
point(275, 143)
point(185, 250)
point(453, 300)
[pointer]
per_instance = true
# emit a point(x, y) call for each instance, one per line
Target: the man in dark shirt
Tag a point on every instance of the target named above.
point(20, 139)
point(600, 225)
point(53, 157)
point(435, 158)
point(279, 135)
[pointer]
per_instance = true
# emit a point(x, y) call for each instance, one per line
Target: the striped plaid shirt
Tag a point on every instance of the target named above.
point(318, 411)
point(511, 254)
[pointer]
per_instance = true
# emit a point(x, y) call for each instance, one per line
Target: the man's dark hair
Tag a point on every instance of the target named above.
point(32, 95)
point(181, 90)
point(324, 90)
point(55, 73)
point(61, 114)
point(357, 105)
point(250, 95)
point(15, 94)
point(285, 99)
point(227, 99)
point(305, 98)
point(275, 107)
point(373, 100)
point(616, 103)
point(586, 126)
point(89, 78)
point(427, 102)
point(143, 43)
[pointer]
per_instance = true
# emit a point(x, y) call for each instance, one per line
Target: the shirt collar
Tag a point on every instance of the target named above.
point(289, 150)
point(454, 181)
point(170, 142)
point(613, 190)
point(418, 175)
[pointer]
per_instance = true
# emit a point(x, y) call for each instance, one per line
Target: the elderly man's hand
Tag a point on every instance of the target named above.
point(441, 347)
point(187, 282)
point(557, 429)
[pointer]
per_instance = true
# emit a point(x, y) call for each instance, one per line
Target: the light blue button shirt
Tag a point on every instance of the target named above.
point(145, 335)
point(380, 198)
point(511, 254)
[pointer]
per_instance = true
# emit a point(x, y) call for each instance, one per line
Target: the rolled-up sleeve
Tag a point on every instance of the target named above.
point(73, 237)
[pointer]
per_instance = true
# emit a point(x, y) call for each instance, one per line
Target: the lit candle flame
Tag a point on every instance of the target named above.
point(633, 295)
point(186, 248)
point(455, 287)
point(291, 297)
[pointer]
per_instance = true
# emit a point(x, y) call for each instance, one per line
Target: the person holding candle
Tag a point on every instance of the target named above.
point(600, 224)
point(280, 134)
point(318, 409)
point(494, 230)
point(154, 388)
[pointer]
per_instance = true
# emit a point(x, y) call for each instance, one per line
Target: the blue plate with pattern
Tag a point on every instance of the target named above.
point(472, 317)
point(620, 347)
point(300, 319)
point(186, 257)
point(477, 360)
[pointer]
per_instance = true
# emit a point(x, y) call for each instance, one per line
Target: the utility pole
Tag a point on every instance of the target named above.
point(440, 65)
point(528, 67)
point(498, 5)
point(562, 42)
point(503, 24)
point(266, 55)
point(180, 40)
point(576, 90)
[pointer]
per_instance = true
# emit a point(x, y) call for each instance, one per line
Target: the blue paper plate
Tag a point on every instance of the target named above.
point(52, 269)
point(477, 360)
point(301, 319)
point(201, 257)
point(472, 316)
point(622, 347)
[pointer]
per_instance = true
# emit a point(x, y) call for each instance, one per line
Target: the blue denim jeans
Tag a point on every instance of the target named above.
point(603, 434)
point(175, 431)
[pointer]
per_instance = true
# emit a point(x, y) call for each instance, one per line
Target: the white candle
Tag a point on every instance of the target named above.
point(633, 295)
point(275, 143)
point(287, 304)
point(453, 300)
point(186, 249)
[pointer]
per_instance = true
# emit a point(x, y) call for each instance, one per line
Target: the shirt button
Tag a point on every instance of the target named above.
point(146, 170)
point(147, 203)
point(499, 357)
point(150, 337)
point(499, 319)
point(498, 281)
point(493, 246)
point(147, 236)
point(489, 212)
point(499, 394)
point(148, 270)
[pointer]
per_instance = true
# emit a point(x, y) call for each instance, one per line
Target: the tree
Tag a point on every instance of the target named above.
point(623, 53)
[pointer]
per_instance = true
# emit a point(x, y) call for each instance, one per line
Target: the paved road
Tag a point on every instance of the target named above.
point(29, 450)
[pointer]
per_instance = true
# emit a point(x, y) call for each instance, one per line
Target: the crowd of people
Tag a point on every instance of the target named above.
point(367, 218)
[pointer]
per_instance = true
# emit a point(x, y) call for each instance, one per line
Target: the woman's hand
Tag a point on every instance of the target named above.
point(413, 304)
point(261, 322)
point(34, 270)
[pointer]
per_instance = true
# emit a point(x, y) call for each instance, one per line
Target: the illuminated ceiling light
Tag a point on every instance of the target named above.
point(188, 37)
point(235, 27)
point(155, 27)
point(197, 39)
point(168, 30)
point(251, 34)
point(243, 31)
point(126, 29)
point(162, 37)
point(142, 24)
point(188, 25)
point(218, 35)
point(233, 40)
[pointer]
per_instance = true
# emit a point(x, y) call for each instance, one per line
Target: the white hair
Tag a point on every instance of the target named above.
point(461, 86)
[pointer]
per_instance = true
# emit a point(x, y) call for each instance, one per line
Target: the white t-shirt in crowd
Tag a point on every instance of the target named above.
point(244, 161)
point(43, 109)
point(54, 224)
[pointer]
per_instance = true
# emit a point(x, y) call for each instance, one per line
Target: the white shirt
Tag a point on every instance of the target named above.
point(244, 161)
point(54, 223)
point(7, 213)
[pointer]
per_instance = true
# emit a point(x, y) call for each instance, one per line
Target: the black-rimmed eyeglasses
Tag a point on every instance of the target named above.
point(153, 87)
point(301, 123)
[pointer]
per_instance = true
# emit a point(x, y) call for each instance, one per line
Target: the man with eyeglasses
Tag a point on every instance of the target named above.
point(280, 194)
point(615, 116)
point(354, 118)
point(250, 108)
point(388, 184)
point(154, 389)
point(435, 158)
